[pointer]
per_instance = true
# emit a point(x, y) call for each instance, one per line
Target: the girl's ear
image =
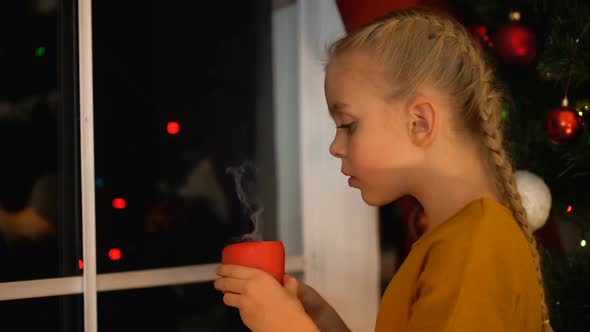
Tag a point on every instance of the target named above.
point(423, 121)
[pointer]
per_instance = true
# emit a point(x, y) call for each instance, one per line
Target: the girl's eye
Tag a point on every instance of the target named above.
point(347, 126)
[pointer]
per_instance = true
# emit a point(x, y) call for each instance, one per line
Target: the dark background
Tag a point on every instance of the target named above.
point(204, 66)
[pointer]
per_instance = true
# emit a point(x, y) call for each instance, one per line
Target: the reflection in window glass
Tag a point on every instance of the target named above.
point(51, 314)
point(39, 229)
point(182, 308)
point(177, 101)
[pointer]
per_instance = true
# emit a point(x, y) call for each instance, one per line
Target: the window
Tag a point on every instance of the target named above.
point(122, 134)
point(121, 124)
point(167, 133)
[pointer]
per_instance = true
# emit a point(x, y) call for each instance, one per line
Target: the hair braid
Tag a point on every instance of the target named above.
point(507, 186)
point(488, 102)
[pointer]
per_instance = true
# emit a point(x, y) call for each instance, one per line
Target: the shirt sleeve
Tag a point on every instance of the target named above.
point(467, 287)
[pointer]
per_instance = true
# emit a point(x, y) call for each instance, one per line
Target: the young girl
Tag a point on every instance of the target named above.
point(417, 112)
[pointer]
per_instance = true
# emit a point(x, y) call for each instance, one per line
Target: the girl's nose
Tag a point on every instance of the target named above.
point(337, 148)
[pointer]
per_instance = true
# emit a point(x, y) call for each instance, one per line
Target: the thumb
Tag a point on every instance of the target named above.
point(291, 284)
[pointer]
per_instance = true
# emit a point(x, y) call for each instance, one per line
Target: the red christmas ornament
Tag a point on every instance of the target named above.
point(516, 43)
point(563, 125)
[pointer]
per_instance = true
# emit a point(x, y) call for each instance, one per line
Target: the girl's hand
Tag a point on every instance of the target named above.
point(318, 309)
point(265, 305)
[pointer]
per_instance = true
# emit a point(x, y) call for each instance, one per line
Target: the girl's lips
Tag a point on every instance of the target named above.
point(351, 181)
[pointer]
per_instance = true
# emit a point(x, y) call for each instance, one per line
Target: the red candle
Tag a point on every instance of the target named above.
point(268, 256)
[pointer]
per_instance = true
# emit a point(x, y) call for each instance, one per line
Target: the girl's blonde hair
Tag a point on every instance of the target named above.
point(420, 45)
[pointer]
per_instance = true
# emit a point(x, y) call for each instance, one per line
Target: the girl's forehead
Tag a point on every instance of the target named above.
point(353, 61)
point(356, 72)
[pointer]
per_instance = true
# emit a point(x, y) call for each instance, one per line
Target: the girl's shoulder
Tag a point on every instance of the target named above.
point(477, 216)
point(484, 229)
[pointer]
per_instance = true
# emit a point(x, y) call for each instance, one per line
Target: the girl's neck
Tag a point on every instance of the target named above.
point(446, 191)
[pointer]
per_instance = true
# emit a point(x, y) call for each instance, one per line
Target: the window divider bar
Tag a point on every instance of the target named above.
point(156, 277)
point(123, 280)
point(40, 288)
point(87, 164)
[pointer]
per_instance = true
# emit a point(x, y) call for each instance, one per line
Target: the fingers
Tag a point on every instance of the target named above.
point(232, 300)
point(230, 285)
point(291, 284)
point(302, 288)
point(231, 288)
point(236, 271)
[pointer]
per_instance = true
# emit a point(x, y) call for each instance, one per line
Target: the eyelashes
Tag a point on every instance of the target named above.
point(348, 126)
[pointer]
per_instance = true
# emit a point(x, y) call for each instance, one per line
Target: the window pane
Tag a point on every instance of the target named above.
point(51, 314)
point(175, 107)
point(39, 178)
point(195, 307)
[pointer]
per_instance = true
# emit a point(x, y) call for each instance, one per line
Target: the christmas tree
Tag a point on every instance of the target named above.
point(541, 51)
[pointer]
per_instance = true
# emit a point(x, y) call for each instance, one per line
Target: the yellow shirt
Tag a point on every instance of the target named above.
point(474, 272)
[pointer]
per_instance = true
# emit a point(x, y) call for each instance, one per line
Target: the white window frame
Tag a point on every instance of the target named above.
point(341, 264)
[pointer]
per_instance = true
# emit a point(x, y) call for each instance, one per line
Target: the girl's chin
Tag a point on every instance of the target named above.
point(373, 200)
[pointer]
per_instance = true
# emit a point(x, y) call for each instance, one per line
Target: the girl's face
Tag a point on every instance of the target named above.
point(372, 137)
